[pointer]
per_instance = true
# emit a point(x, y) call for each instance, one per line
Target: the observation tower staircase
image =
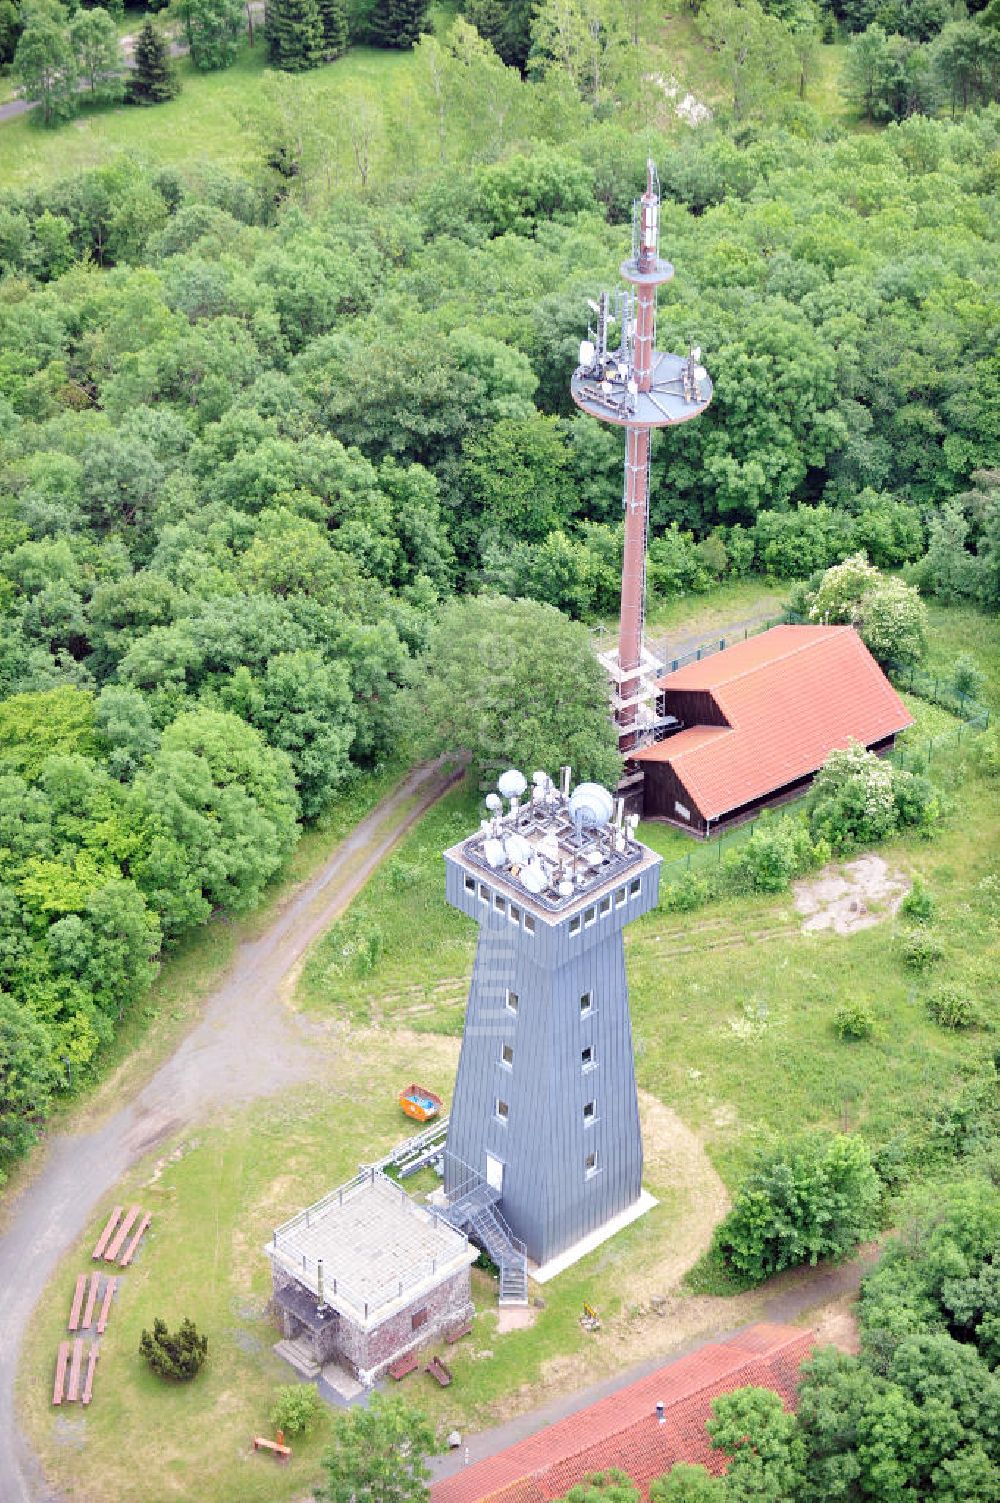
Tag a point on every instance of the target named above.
point(473, 1207)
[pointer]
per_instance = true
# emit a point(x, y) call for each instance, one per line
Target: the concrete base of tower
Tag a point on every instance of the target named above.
point(544, 1272)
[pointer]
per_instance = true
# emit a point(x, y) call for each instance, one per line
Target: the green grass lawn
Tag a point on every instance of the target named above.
point(207, 122)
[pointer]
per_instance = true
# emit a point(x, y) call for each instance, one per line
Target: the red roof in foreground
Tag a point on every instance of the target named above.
point(789, 696)
point(623, 1431)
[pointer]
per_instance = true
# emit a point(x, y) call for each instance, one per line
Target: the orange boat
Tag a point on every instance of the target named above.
point(420, 1103)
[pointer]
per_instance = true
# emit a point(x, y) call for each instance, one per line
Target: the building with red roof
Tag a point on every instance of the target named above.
point(756, 722)
point(624, 1430)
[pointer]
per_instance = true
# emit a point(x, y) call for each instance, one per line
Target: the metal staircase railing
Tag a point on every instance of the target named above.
point(473, 1207)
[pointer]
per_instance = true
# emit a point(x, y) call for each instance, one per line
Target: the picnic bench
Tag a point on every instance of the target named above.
point(102, 1319)
point(88, 1314)
point(403, 1366)
point(106, 1235)
point(76, 1362)
point(88, 1382)
point(454, 1336)
point(137, 1237)
point(77, 1306)
point(114, 1247)
point(439, 1371)
point(61, 1361)
point(278, 1448)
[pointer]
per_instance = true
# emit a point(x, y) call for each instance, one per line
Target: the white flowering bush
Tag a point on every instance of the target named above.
point(889, 615)
point(853, 801)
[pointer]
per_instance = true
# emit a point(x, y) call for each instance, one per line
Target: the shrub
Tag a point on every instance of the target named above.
point(813, 1199)
point(920, 950)
point(690, 891)
point(176, 1354)
point(295, 1407)
point(919, 904)
point(917, 804)
point(986, 752)
point(951, 1008)
point(967, 678)
point(853, 800)
point(853, 1022)
point(778, 850)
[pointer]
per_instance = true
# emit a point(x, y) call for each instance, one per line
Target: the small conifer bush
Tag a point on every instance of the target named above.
point(176, 1354)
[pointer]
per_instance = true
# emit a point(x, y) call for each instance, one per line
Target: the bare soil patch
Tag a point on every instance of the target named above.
point(850, 896)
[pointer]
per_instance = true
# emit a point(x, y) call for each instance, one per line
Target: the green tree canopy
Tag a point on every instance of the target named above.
point(378, 1455)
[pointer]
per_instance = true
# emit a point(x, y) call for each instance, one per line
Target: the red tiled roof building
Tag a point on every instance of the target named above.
point(624, 1430)
point(757, 722)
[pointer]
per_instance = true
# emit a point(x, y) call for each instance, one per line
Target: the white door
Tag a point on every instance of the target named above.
point(494, 1172)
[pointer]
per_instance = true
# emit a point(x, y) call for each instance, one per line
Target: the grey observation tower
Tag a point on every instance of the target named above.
point(544, 1147)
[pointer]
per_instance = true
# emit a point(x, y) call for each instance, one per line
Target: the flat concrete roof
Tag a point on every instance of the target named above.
point(378, 1248)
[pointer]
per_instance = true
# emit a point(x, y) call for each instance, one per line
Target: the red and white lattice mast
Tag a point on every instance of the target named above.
point(640, 388)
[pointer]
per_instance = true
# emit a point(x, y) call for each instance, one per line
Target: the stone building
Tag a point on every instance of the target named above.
point(366, 1275)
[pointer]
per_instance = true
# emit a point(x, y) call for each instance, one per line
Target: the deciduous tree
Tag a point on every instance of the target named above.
point(378, 1455)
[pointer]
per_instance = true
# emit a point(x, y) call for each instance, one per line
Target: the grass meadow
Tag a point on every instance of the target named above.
point(733, 1010)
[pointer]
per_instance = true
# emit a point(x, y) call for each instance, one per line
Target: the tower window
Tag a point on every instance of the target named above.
point(586, 1003)
point(574, 925)
point(590, 1165)
point(590, 917)
point(470, 884)
point(512, 1000)
point(587, 1057)
point(529, 923)
point(514, 914)
point(499, 903)
point(503, 1110)
point(634, 887)
point(589, 1113)
point(620, 898)
point(507, 1054)
point(484, 893)
point(605, 906)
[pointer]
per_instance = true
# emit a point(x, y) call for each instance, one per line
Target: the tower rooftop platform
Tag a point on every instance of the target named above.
point(379, 1249)
point(538, 854)
point(605, 394)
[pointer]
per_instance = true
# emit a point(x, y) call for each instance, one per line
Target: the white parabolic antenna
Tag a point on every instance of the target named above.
point(533, 877)
point(494, 801)
point(518, 850)
point(512, 783)
point(591, 805)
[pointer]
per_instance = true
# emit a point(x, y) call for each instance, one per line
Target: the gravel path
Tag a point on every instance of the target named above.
point(246, 1044)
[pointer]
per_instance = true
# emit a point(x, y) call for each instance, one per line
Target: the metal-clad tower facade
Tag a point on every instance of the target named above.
point(638, 388)
point(545, 1119)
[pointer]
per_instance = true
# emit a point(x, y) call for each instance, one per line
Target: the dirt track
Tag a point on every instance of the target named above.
point(246, 1044)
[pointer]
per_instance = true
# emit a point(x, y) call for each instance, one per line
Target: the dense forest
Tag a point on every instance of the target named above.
point(255, 430)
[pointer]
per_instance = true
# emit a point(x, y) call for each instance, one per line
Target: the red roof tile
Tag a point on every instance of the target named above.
point(623, 1431)
point(789, 696)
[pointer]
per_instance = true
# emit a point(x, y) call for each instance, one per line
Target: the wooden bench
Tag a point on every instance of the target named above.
point(454, 1336)
point(439, 1371)
point(130, 1251)
point(114, 1247)
point(88, 1314)
point(404, 1366)
point(260, 1443)
point(88, 1382)
point(61, 1361)
point(73, 1386)
point(102, 1319)
point(77, 1306)
point(105, 1236)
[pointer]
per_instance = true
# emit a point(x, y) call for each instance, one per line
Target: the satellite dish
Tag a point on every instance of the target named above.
point(565, 889)
point(594, 307)
point(540, 778)
point(591, 806)
point(494, 802)
point(696, 352)
point(587, 352)
point(518, 850)
point(533, 878)
point(512, 783)
point(494, 852)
